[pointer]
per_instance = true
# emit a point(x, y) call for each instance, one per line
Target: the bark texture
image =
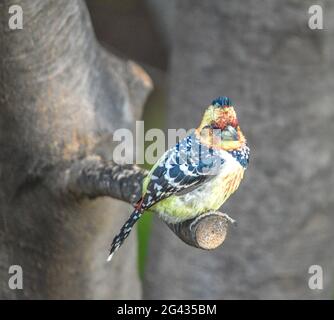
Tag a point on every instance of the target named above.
point(279, 74)
point(61, 96)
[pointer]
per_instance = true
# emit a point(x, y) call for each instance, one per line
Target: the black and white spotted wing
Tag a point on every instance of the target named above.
point(182, 169)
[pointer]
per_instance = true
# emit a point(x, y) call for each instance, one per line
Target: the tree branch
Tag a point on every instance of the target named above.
point(93, 177)
point(207, 231)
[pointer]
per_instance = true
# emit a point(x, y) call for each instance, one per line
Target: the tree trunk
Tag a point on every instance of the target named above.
point(62, 96)
point(279, 74)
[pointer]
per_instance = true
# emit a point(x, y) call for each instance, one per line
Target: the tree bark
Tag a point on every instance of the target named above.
point(279, 74)
point(62, 97)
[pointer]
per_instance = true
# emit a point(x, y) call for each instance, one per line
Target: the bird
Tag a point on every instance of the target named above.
point(198, 174)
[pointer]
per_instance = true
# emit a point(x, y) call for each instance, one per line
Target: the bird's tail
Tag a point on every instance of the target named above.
point(125, 231)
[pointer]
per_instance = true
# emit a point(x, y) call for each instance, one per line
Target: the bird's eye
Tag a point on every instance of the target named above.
point(229, 134)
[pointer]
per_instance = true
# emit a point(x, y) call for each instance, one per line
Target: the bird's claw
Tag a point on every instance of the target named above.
point(229, 219)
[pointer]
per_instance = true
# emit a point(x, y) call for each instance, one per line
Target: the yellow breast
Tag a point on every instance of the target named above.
point(210, 196)
point(227, 183)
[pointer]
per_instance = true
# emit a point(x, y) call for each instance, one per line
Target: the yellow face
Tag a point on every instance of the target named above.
point(220, 129)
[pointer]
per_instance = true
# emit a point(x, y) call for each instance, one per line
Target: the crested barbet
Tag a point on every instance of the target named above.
point(198, 174)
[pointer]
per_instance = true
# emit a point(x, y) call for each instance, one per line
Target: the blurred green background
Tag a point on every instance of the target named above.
point(154, 115)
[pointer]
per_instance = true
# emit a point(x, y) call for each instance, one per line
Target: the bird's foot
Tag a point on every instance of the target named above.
point(228, 218)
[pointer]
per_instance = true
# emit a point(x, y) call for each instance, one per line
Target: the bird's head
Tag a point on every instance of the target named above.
point(219, 127)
